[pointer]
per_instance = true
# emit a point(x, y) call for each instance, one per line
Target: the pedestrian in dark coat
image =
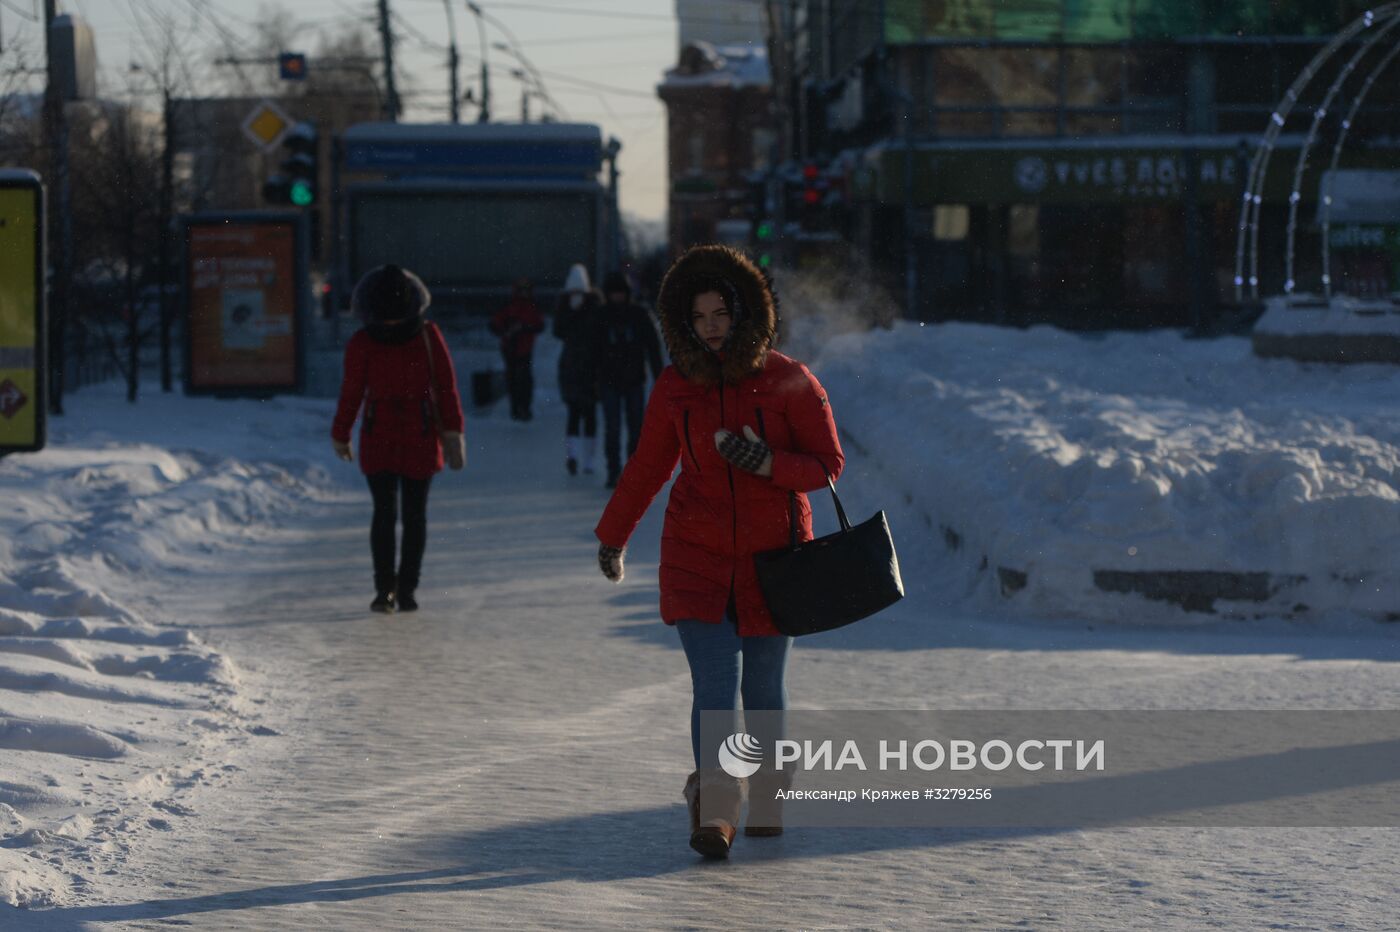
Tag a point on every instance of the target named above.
point(517, 324)
point(627, 348)
point(575, 324)
point(399, 379)
point(751, 428)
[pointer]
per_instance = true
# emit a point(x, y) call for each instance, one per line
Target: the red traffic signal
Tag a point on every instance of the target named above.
point(292, 66)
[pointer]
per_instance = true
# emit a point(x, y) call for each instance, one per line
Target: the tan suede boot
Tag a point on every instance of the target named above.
point(714, 799)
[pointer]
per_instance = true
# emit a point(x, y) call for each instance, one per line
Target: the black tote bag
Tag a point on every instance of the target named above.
point(833, 580)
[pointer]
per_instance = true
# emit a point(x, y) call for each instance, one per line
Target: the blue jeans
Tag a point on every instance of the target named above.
point(723, 666)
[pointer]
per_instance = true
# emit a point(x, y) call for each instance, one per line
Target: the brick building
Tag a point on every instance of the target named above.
point(719, 139)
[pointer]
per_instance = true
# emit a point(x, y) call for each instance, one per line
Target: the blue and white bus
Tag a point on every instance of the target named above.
point(473, 207)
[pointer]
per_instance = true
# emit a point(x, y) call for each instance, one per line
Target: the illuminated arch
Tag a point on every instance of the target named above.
point(1247, 239)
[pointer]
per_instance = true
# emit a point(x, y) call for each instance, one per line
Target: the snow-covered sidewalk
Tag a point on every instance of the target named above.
point(513, 754)
point(111, 705)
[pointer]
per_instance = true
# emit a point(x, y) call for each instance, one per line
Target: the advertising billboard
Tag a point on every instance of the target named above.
point(23, 365)
point(244, 297)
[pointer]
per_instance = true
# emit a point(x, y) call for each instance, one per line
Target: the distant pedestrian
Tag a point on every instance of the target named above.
point(399, 375)
point(575, 323)
point(517, 324)
point(627, 347)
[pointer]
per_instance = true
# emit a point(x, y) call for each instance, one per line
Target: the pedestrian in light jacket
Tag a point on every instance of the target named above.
point(752, 430)
point(399, 382)
point(575, 324)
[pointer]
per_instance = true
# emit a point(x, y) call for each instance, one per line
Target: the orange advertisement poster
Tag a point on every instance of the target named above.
point(242, 293)
point(21, 416)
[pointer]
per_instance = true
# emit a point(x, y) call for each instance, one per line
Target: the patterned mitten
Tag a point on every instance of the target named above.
point(751, 454)
point(610, 561)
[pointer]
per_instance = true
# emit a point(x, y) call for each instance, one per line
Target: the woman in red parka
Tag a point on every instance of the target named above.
point(750, 427)
point(399, 373)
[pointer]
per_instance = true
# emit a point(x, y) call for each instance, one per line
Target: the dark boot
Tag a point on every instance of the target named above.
point(714, 799)
point(383, 602)
point(765, 805)
point(405, 601)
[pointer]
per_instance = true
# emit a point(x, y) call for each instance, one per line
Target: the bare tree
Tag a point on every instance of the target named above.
point(116, 166)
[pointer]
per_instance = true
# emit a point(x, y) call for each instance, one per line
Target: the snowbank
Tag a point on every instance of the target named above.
point(109, 709)
point(1110, 477)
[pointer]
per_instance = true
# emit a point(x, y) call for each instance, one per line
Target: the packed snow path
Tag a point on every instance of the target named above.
point(513, 754)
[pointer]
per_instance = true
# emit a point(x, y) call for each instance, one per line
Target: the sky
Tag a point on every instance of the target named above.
point(601, 61)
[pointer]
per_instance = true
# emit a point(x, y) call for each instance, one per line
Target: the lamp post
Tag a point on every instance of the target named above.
point(610, 151)
point(525, 93)
point(533, 73)
point(484, 115)
point(455, 89)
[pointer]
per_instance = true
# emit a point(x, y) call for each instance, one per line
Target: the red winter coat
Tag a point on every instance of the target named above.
point(516, 324)
point(719, 515)
point(389, 380)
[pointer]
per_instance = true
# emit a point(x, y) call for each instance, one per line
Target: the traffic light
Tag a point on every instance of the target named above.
point(763, 232)
point(763, 227)
point(296, 183)
point(811, 184)
point(302, 165)
point(291, 66)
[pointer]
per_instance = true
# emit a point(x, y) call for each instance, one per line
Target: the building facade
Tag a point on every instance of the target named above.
point(1074, 161)
point(720, 138)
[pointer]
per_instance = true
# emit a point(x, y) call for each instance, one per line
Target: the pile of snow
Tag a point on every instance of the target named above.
point(109, 710)
point(1075, 475)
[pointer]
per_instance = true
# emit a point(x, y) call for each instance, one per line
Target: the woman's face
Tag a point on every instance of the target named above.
point(710, 318)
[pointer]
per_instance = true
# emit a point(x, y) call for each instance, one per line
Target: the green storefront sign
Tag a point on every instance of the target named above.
point(1087, 175)
point(1111, 20)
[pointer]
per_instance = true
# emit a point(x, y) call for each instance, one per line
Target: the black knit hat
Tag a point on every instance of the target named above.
point(616, 281)
point(389, 293)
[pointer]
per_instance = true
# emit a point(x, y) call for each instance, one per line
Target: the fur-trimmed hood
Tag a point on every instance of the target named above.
point(755, 324)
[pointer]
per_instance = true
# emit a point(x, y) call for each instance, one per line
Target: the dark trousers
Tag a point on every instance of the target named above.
point(616, 401)
point(520, 385)
point(583, 416)
point(388, 488)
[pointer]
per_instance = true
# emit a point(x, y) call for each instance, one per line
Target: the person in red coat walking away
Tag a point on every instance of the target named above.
point(399, 376)
point(517, 324)
point(752, 430)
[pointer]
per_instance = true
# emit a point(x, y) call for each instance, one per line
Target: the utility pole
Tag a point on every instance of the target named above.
point(56, 131)
point(777, 183)
point(167, 205)
point(386, 34)
point(452, 60)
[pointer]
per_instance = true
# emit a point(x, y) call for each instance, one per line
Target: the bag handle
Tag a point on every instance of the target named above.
point(432, 382)
point(792, 511)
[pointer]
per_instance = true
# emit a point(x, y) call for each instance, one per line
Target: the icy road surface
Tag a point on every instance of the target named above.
point(513, 754)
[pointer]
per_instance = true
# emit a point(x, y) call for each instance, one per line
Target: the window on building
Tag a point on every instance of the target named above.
point(763, 140)
point(951, 222)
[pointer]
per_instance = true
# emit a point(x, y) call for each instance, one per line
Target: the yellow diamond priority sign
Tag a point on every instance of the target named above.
point(266, 125)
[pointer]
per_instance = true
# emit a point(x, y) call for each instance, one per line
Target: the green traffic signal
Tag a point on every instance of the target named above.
point(765, 260)
point(302, 194)
point(765, 230)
